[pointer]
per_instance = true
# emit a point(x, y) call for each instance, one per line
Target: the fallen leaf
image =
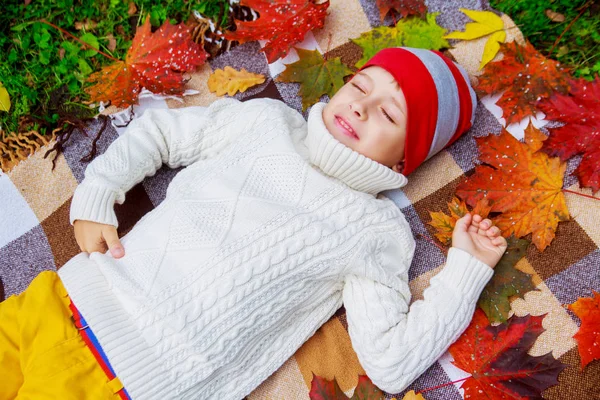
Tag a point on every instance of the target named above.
point(497, 359)
point(323, 389)
point(316, 75)
point(231, 81)
point(87, 25)
point(554, 16)
point(413, 396)
point(404, 7)
point(486, 23)
point(581, 133)
point(282, 23)
point(525, 77)
point(4, 98)
point(366, 390)
point(112, 42)
point(524, 185)
point(444, 224)
point(410, 32)
point(506, 282)
point(155, 61)
point(132, 9)
point(588, 335)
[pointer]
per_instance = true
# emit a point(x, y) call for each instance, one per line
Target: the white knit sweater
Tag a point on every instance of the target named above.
point(272, 226)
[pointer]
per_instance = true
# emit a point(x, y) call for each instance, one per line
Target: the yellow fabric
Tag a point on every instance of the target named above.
point(42, 355)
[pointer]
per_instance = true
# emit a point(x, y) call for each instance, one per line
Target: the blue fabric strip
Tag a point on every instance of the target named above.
point(97, 346)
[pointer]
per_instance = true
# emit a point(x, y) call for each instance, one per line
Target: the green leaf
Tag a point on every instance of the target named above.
point(376, 39)
point(506, 282)
point(4, 98)
point(316, 75)
point(84, 67)
point(423, 34)
point(410, 32)
point(92, 41)
point(12, 56)
point(44, 56)
point(71, 48)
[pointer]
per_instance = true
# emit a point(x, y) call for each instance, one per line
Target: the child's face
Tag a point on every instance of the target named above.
point(373, 106)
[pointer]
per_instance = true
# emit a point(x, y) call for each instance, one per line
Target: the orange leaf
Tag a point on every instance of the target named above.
point(588, 335)
point(155, 61)
point(524, 185)
point(525, 76)
point(444, 224)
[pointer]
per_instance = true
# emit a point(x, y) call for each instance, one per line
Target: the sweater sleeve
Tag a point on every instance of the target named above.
point(176, 137)
point(396, 343)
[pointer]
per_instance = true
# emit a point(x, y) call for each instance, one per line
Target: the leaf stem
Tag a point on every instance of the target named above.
point(79, 40)
point(442, 385)
point(581, 194)
point(583, 8)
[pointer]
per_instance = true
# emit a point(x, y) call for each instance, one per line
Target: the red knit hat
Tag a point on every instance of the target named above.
point(439, 98)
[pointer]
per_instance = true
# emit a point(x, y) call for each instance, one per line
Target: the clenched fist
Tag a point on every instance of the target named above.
point(93, 236)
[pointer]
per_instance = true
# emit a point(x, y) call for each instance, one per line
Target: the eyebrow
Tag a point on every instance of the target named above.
point(362, 73)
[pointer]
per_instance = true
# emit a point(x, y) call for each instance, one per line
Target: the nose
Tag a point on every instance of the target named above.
point(359, 109)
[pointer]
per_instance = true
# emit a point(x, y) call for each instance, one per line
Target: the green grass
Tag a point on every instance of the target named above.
point(44, 70)
point(579, 46)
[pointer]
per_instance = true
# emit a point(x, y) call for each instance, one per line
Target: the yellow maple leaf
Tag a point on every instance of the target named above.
point(486, 23)
point(231, 81)
point(4, 98)
point(413, 396)
point(444, 224)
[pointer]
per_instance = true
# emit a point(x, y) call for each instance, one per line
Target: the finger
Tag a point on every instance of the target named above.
point(493, 231)
point(112, 241)
point(485, 224)
point(499, 241)
point(462, 224)
point(477, 218)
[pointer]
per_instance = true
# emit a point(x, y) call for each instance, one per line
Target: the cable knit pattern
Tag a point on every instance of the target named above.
point(269, 228)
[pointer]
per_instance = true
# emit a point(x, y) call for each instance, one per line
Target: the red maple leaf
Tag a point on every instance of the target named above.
point(404, 7)
point(282, 23)
point(497, 359)
point(155, 61)
point(525, 76)
point(581, 133)
point(588, 335)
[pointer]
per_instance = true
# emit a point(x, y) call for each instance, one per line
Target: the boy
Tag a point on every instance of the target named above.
point(272, 226)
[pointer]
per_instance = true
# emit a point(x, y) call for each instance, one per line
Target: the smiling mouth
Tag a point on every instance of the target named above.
point(345, 128)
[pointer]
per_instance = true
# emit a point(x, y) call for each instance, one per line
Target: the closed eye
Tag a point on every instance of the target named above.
point(387, 116)
point(358, 87)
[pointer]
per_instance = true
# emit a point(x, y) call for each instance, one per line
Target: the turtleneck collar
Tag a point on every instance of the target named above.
point(341, 162)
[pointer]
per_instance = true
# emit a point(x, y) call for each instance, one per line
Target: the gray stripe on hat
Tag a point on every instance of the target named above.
point(471, 91)
point(448, 101)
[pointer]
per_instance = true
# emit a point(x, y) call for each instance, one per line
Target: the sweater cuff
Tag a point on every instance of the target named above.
point(465, 273)
point(94, 203)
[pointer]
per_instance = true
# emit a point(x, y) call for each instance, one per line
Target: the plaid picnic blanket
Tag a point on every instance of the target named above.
point(35, 233)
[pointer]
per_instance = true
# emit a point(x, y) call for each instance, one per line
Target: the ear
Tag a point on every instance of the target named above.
point(398, 167)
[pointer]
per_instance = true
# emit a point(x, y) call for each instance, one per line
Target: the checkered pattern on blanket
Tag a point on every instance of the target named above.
point(35, 233)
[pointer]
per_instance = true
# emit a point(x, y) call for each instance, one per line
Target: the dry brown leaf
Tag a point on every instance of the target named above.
point(554, 16)
point(112, 42)
point(132, 8)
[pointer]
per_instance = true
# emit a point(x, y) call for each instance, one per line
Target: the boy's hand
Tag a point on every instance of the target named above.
point(479, 238)
point(93, 236)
